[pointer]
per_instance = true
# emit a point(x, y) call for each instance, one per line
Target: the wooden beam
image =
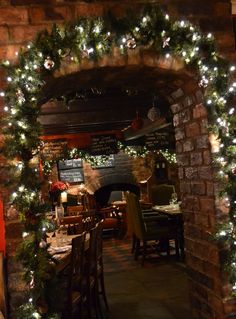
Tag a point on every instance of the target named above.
point(131, 134)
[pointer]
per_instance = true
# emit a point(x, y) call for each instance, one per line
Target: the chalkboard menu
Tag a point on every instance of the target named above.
point(103, 144)
point(158, 140)
point(53, 149)
point(110, 162)
point(72, 163)
point(73, 175)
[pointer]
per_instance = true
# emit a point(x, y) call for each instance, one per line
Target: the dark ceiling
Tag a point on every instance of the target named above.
point(106, 98)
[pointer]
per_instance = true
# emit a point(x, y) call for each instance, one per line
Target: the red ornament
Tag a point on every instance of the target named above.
point(137, 122)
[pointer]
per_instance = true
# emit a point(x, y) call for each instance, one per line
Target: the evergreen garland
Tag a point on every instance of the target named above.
point(91, 38)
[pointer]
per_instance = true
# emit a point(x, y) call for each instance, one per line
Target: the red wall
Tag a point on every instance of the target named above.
point(2, 229)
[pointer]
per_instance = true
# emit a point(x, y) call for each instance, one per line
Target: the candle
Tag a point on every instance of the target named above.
point(64, 197)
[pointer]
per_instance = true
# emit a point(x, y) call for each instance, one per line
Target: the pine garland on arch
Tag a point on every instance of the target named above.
point(92, 38)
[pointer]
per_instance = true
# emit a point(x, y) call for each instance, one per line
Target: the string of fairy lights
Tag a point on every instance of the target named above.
point(92, 38)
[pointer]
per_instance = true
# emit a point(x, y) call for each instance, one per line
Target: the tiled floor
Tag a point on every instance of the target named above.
point(157, 290)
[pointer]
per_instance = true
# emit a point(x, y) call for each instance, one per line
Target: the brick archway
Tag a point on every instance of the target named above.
point(196, 175)
point(197, 185)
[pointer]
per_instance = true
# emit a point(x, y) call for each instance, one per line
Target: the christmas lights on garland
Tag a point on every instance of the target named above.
point(133, 151)
point(91, 38)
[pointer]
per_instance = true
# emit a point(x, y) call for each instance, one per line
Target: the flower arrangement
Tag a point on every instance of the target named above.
point(56, 189)
point(59, 186)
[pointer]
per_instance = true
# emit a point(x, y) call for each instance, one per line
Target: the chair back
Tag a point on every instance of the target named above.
point(74, 210)
point(74, 224)
point(136, 215)
point(129, 217)
point(89, 219)
point(77, 265)
point(161, 194)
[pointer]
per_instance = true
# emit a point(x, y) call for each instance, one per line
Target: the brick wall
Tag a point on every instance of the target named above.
point(20, 20)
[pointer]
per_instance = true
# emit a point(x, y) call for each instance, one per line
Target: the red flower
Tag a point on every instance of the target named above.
point(59, 187)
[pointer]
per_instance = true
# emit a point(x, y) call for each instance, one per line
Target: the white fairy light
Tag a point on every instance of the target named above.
point(209, 101)
point(13, 111)
point(137, 29)
point(144, 19)
point(36, 315)
point(30, 300)
point(167, 17)
point(40, 54)
point(184, 53)
point(96, 29)
point(21, 188)
point(14, 195)
point(234, 141)
point(9, 124)
point(9, 79)
point(2, 94)
point(223, 233)
point(109, 33)
point(90, 50)
point(25, 234)
point(231, 89)
point(232, 68)
point(182, 23)
point(28, 46)
point(22, 136)
point(6, 108)
point(26, 67)
point(209, 36)
point(167, 55)
point(123, 40)
point(99, 47)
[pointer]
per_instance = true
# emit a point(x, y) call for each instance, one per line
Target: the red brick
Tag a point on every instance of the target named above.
point(22, 34)
point(85, 9)
point(207, 157)
point(199, 111)
point(4, 38)
point(13, 16)
point(8, 52)
point(192, 129)
point(50, 14)
point(198, 188)
point(196, 158)
point(207, 205)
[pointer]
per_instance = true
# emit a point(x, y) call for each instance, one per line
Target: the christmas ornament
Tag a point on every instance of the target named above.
point(166, 42)
point(153, 113)
point(131, 43)
point(43, 244)
point(48, 63)
point(20, 96)
point(137, 122)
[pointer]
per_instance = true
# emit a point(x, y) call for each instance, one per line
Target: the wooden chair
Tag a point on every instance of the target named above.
point(75, 290)
point(74, 224)
point(74, 210)
point(111, 219)
point(89, 219)
point(100, 266)
point(92, 291)
point(153, 228)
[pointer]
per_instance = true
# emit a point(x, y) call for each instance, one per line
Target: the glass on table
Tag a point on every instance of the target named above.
point(50, 229)
point(174, 199)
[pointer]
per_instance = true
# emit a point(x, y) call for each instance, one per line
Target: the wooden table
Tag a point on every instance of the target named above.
point(171, 210)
